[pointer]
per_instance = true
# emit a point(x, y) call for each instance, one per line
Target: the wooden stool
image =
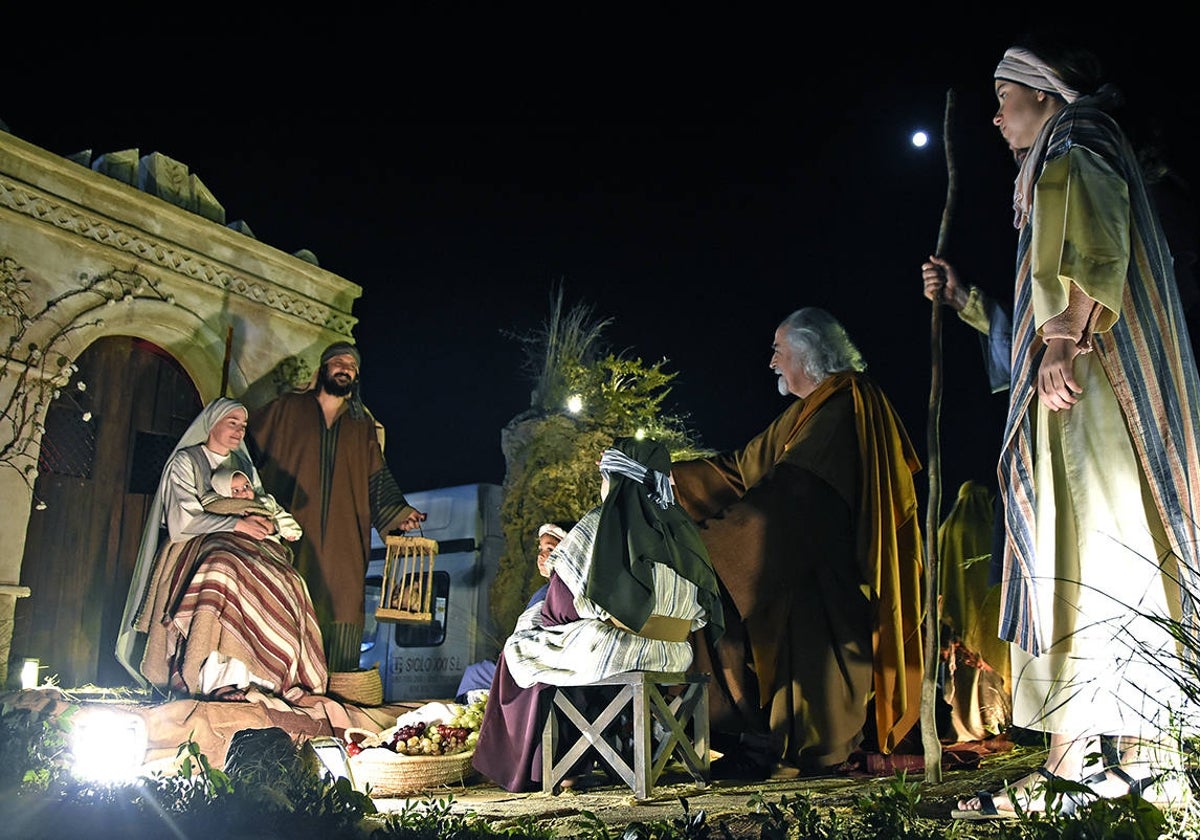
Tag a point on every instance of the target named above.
point(639, 692)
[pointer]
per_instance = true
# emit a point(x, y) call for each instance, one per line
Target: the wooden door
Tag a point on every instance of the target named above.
point(101, 458)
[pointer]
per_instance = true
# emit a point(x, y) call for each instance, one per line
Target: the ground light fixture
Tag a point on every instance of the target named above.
point(108, 746)
point(333, 756)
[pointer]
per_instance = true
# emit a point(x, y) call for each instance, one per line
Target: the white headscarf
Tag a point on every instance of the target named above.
point(553, 530)
point(197, 432)
point(222, 481)
point(1024, 67)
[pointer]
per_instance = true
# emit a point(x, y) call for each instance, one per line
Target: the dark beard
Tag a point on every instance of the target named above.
point(334, 388)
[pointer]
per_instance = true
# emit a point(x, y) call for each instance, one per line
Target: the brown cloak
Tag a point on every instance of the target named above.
point(813, 531)
point(336, 485)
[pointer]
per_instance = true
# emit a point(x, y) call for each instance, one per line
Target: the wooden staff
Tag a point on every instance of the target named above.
point(228, 359)
point(929, 694)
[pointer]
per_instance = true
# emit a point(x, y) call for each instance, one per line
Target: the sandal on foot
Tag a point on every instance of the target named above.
point(1065, 795)
point(987, 810)
point(1152, 783)
point(228, 694)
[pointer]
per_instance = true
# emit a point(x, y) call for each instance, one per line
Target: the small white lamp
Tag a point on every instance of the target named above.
point(29, 673)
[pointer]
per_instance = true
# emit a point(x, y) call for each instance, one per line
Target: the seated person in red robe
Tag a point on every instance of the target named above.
point(628, 586)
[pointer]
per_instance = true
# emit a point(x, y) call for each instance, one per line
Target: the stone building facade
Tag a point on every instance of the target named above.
point(121, 269)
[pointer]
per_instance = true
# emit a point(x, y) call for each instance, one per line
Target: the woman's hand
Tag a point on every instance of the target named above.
point(1057, 388)
point(255, 526)
point(942, 283)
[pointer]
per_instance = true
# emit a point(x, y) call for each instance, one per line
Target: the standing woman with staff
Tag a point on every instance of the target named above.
point(1100, 463)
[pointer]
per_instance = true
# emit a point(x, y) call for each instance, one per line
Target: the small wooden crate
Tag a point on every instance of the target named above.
point(407, 593)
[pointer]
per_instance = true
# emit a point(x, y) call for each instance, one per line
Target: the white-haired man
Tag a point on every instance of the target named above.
point(812, 529)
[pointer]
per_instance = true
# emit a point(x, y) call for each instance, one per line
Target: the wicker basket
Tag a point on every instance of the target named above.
point(393, 774)
point(360, 688)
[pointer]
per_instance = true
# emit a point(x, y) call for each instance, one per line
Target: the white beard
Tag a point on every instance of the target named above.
point(782, 385)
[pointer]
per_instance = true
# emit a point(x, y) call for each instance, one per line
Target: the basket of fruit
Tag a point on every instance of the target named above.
point(429, 747)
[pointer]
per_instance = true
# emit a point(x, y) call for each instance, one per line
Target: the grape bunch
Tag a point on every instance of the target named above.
point(408, 739)
point(470, 717)
point(430, 739)
point(453, 738)
point(456, 735)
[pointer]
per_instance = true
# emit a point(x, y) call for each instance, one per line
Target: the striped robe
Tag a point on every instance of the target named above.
point(228, 593)
point(1146, 355)
point(579, 652)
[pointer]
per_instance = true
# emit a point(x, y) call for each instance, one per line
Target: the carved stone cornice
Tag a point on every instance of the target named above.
point(170, 257)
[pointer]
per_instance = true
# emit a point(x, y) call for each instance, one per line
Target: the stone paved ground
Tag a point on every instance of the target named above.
point(721, 800)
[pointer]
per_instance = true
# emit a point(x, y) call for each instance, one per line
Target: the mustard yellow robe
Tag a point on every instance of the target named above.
point(813, 531)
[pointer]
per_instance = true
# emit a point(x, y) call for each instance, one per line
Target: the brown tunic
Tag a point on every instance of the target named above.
point(337, 485)
point(812, 529)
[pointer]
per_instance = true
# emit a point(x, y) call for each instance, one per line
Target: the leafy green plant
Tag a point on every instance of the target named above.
point(272, 787)
point(195, 765)
point(33, 749)
point(434, 819)
point(593, 828)
point(687, 826)
point(795, 816)
point(891, 813)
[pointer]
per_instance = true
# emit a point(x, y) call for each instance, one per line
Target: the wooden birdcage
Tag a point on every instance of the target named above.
point(407, 593)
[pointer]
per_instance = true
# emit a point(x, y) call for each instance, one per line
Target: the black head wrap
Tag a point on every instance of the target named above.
point(341, 348)
point(354, 399)
point(641, 524)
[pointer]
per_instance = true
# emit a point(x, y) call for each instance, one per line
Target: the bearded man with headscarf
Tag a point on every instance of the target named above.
point(319, 454)
point(812, 529)
point(628, 586)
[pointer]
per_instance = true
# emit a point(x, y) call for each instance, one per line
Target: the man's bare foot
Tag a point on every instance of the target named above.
point(228, 694)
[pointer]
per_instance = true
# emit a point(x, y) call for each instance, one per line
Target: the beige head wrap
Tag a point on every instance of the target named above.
point(553, 530)
point(1022, 66)
point(222, 481)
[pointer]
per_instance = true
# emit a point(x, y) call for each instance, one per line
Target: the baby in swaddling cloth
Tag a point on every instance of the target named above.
point(232, 493)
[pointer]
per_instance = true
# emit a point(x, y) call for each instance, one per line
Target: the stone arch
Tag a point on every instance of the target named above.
point(100, 458)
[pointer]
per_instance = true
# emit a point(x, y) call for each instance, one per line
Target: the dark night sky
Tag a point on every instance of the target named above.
point(693, 174)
